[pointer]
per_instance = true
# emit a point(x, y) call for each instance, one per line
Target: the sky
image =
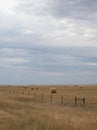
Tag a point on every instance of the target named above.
point(48, 42)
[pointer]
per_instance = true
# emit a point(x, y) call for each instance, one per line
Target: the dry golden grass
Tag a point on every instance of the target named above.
point(24, 109)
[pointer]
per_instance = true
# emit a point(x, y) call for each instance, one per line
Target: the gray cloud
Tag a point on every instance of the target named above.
point(79, 9)
point(45, 65)
point(51, 23)
point(47, 59)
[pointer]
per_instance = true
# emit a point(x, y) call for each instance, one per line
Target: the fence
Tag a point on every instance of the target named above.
point(42, 97)
point(80, 101)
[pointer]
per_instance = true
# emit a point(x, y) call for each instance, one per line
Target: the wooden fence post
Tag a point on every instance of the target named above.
point(83, 102)
point(51, 98)
point(75, 101)
point(35, 96)
point(28, 93)
point(42, 97)
point(23, 92)
point(18, 91)
point(61, 99)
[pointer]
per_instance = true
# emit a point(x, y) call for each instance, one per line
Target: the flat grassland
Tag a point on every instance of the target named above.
point(35, 108)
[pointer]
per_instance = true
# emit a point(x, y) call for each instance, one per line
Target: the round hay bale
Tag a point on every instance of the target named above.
point(37, 87)
point(53, 90)
point(32, 88)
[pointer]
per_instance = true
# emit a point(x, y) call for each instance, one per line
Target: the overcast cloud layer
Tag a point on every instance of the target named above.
point(48, 41)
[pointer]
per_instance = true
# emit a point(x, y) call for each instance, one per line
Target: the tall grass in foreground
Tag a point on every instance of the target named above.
point(19, 115)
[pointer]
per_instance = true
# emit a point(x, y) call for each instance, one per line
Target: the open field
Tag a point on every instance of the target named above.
point(35, 108)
